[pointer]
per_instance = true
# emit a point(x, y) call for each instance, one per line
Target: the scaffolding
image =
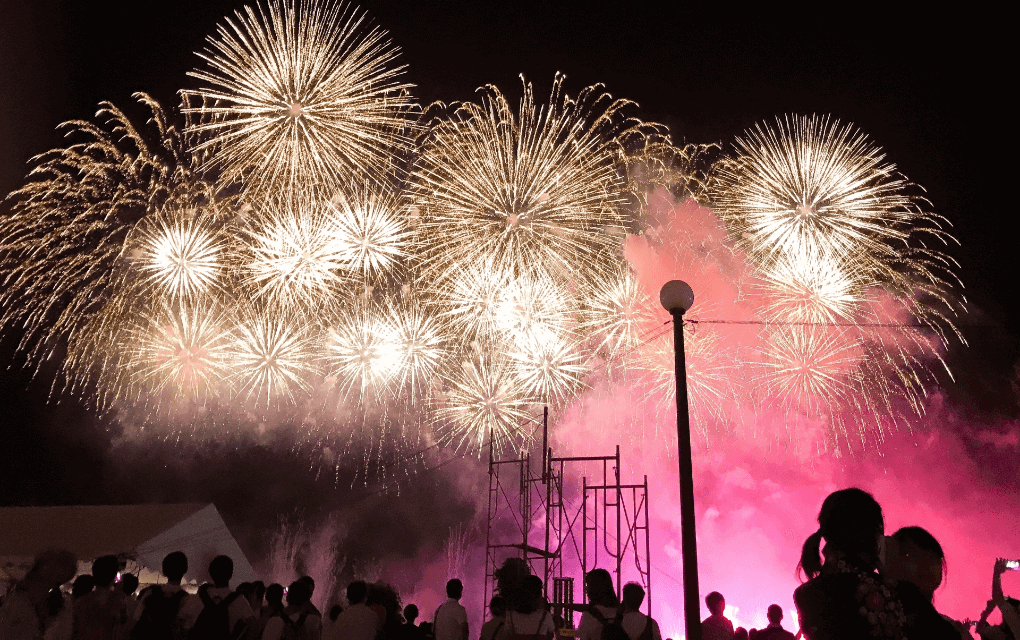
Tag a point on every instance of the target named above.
point(531, 515)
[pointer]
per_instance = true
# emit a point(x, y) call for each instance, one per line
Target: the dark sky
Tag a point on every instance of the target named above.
point(926, 87)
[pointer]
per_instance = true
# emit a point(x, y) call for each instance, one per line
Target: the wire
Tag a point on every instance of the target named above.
point(812, 324)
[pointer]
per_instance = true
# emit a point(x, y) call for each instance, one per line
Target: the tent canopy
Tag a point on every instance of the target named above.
point(144, 532)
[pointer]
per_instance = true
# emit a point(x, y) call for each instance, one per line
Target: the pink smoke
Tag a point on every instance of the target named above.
point(761, 473)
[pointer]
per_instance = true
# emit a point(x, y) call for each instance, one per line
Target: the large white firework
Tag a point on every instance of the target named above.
point(299, 93)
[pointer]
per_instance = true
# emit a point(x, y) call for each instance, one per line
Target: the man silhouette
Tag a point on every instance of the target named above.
point(775, 630)
point(716, 626)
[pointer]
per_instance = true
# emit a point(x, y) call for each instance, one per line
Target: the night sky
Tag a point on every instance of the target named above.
point(927, 88)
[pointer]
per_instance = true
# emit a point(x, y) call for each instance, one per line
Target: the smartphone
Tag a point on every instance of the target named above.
point(1013, 565)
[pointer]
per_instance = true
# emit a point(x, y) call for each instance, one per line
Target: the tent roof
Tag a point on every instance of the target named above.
point(89, 531)
point(145, 531)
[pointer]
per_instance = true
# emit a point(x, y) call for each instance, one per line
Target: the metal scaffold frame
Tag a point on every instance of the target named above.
point(606, 525)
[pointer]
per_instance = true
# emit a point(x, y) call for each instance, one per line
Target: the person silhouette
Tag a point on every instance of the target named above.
point(716, 626)
point(637, 625)
point(450, 620)
point(775, 630)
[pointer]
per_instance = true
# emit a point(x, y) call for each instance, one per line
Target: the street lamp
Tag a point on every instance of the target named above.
point(677, 297)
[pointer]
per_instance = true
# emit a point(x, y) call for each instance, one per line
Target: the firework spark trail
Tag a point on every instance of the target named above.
point(421, 345)
point(363, 352)
point(550, 369)
point(471, 297)
point(617, 310)
point(709, 369)
point(299, 94)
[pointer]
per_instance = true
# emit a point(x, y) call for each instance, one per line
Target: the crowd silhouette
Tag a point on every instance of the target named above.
point(858, 584)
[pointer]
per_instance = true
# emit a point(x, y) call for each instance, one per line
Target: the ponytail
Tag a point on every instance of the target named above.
point(810, 558)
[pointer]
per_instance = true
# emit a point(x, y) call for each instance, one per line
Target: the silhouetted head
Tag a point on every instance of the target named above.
point(601, 591)
point(129, 583)
point(497, 606)
point(221, 570)
point(83, 585)
point(740, 633)
point(775, 614)
point(851, 523)
point(274, 595)
point(259, 592)
point(633, 596)
point(298, 593)
point(175, 565)
point(309, 581)
point(410, 613)
point(512, 583)
point(104, 570)
point(716, 603)
point(915, 555)
point(533, 587)
point(53, 568)
point(335, 611)
point(357, 591)
point(454, 589)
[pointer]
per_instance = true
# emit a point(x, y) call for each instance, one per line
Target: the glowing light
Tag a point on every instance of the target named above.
point(184, 349)
point(617, 312)
point(421, 346)
point(363, 352)
point(549, 369)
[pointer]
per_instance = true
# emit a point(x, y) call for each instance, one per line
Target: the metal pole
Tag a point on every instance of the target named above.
point(688, 540)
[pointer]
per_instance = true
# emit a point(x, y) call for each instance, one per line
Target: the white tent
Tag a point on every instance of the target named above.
point(144, 533)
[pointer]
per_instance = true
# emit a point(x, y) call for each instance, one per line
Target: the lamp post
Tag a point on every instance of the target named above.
point(677, 297)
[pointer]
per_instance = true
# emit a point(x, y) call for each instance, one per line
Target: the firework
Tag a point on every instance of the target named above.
point(471, 298)
point(63, 243)
point(483, 403)
point(617, 312)
point(710, 387)
point(549, 369)
point(275, 245)
point(813, 191)
point(179, 254)
point(421, 346)
point(294, 255)
point(271, 356)
point(812, 291)
point(363, 351)
point(811, 369)
point(370, 233)
point(845, 269)
point(182, 349)
point(533, 311)
point(536, 189)
point(299, 93)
